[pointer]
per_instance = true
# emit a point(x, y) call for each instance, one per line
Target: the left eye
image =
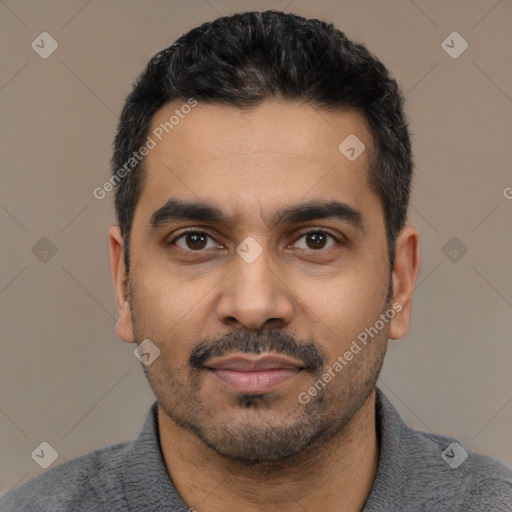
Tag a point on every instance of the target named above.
point(316, 240)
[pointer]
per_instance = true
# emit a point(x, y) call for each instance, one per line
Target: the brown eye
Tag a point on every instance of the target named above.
point(316, 240)
point(192, 240)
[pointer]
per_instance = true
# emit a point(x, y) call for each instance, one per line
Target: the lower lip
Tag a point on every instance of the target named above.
point(257, 381)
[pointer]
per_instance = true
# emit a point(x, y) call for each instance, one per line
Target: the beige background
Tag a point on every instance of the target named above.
point(67, 380)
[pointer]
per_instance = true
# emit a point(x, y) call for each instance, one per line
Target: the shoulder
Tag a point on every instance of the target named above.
point(80, 484)
point(429, 471)
point(477, 482)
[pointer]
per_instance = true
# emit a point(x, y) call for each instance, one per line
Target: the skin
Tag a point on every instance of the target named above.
point(225, 452)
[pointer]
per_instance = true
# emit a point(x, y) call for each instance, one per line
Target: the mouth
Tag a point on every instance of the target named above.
point(254, 374)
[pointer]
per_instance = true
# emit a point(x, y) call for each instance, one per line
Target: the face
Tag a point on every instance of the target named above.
point(258, 256)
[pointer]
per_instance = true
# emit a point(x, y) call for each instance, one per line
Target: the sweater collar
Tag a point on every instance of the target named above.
point(147, 485)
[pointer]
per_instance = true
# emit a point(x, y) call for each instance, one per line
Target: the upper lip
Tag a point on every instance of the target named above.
point(247, 363)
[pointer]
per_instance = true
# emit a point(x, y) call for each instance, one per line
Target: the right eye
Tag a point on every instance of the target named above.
point(193, 240)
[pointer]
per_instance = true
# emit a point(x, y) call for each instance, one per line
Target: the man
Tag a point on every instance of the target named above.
point(261, 261)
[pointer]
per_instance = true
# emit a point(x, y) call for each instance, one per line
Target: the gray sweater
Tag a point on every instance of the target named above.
point(417, 472)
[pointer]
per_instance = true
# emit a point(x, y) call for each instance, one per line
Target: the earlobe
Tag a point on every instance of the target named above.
point(124, 326)
point(405, 273)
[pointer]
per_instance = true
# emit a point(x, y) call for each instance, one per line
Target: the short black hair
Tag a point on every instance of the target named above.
point(244, 59)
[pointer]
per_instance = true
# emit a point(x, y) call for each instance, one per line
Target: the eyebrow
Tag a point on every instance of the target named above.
point(181, 210)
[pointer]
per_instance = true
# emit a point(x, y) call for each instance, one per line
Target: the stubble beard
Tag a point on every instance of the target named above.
point(262, 438)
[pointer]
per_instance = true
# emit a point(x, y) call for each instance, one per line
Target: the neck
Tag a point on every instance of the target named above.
point(333, 475)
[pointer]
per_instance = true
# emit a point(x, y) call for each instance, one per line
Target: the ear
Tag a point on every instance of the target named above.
point(124, 327)
point(405, 272)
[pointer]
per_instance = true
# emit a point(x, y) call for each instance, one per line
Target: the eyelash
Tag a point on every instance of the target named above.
point(313, 230)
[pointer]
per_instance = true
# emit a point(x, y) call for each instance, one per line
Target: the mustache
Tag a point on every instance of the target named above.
point(278, 342)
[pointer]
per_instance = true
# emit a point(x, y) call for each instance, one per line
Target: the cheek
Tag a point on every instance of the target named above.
point(161, 296)
point(156, 310)
point(169, 312)
point(342, 307)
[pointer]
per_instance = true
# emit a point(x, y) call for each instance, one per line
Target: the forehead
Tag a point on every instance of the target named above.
point(278, 153)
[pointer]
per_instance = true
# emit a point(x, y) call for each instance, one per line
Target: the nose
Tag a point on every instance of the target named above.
point(254, 295)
